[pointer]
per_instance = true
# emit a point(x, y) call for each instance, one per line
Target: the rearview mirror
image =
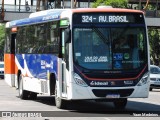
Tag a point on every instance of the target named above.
point(67, 35)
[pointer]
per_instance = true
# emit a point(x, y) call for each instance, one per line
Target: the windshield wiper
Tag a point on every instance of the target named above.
point(100, 34)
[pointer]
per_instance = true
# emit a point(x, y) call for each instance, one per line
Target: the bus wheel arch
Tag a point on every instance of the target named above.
point(52, 83)
point(18, 75)
point(59, 102)
point(23, 94)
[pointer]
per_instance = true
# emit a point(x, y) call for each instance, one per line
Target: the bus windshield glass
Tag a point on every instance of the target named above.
point(109, 48)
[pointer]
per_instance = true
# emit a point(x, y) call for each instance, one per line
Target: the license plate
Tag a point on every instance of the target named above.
point(113, 96)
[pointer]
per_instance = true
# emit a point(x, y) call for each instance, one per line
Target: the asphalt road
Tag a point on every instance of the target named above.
point(78, 110)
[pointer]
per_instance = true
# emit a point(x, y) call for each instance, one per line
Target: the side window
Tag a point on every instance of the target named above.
point(30, 38)
point(42, 37)
point(21, 45)
point(38, 39)
point(52, 38)
point(35, 38)
point(7, 42)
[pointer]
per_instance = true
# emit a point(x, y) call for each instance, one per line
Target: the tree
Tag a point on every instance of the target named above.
point(154, 41)
point(2, 37)
point(113, 3)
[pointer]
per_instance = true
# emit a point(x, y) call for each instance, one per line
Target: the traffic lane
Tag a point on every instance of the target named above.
point(10, 101)
point(90, 108)
point(147, 104)
point(153, 95)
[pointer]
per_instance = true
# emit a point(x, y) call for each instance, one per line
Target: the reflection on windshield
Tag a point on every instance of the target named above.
point(109, 48)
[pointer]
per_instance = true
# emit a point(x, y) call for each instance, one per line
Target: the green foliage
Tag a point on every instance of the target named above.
point(113, 3)
point(154, 41)
point(2, 37)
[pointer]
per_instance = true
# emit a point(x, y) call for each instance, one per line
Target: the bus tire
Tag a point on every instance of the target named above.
point(32, 96)
point(60, 103)
point(120, 103)
point(52, 82)
point(23, 94)
point(150, 89)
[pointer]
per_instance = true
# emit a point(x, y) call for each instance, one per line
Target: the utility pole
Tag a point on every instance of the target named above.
point(72, 4)
point(44, 5)
point(57, 3)
point(19, 5)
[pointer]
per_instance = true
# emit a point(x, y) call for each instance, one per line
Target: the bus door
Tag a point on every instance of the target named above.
point(65, 61)
point(9, 59)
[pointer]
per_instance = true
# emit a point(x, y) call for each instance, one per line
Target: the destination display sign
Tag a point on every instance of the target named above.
point(107, 18)
point(104, 18)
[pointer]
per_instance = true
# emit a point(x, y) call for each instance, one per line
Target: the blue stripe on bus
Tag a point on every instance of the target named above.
point(33, 20)
point(39, 64)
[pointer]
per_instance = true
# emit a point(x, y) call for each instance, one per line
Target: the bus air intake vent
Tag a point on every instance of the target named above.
point(104, 92)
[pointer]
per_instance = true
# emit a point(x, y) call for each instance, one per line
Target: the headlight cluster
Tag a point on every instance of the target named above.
point(144, 79)
point(79, 80)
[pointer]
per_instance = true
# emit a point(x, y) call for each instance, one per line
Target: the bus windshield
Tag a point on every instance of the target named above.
point(116, 48)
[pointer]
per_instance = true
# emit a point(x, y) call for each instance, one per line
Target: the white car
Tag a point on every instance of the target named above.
point(154, 77)
point(1, 69)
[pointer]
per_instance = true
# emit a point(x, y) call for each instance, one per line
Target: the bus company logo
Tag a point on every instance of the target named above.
point(50, 17)
point(45, 65)
point(98, 83)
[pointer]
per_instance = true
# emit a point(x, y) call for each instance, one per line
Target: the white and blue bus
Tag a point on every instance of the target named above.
point(76, 54)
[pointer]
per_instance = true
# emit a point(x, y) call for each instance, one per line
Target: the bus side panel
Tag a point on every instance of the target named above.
point(35, 69)
point(9, 69)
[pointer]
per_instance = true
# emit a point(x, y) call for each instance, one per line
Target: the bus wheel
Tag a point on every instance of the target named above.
point(23, 94)
point(120, 103)
point(32, 96)
point(61, 104)
point(150, 89)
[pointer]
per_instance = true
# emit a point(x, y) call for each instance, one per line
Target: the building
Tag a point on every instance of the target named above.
point(18, 9)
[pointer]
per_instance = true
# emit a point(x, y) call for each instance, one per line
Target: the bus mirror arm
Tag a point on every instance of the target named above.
point(67, 35)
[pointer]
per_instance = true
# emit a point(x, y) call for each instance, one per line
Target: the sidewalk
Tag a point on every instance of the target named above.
point(7, 93)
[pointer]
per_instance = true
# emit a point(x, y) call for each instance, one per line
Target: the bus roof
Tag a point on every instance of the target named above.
point(55, 14)
point(106, 10)
point(37, 19)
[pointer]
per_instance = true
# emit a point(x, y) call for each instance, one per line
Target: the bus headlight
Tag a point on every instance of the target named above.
point(144, 79)
point(79, 80)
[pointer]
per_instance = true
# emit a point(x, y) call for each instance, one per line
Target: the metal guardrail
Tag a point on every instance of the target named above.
point(152, 13)
point(30, 9)
point(17, 8)
point(11, 12)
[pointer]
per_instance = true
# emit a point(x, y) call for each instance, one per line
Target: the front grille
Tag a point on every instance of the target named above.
point(104, 92)
point(152, 85)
